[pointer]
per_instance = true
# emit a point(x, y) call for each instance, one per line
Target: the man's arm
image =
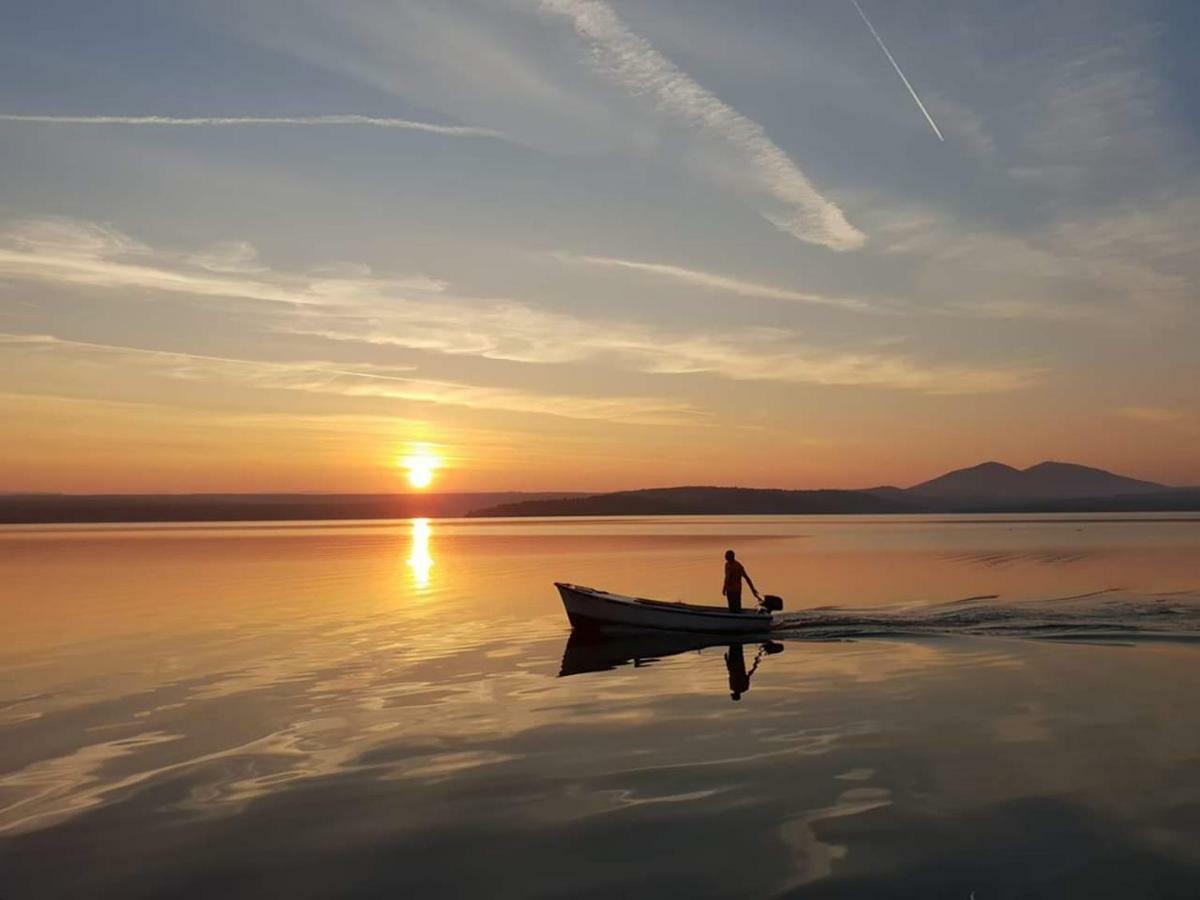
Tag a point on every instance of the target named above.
point(753, 589)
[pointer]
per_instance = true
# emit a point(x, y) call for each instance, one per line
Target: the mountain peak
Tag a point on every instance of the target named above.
point(990, 466)
point(1054, 465)
point(997, 482)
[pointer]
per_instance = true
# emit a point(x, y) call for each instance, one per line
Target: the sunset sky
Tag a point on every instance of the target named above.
point(567, 244)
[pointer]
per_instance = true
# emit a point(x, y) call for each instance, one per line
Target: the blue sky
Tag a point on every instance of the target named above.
point(596, 244)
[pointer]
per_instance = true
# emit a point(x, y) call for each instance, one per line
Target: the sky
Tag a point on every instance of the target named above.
point(592, 245)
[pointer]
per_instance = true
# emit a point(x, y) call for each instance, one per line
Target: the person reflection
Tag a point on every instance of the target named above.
point(735, 662)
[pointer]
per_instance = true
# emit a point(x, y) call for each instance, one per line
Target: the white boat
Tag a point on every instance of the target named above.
point(596, 610)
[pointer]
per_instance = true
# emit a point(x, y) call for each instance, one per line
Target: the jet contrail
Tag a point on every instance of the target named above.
point(219, 121)
point(896, 66)
point(637, 67)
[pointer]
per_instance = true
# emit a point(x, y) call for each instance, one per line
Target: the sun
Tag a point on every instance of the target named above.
point(420, 476)
point(420, 467)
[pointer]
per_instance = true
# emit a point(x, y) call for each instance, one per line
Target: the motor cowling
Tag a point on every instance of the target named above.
point(772, 603)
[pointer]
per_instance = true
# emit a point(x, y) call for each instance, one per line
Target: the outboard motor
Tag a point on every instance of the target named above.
point(771, 603)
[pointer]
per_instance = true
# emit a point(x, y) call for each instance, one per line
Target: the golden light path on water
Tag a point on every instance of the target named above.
point(419, 561)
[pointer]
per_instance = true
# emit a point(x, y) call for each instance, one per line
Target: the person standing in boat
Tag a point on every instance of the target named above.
point(734, 573)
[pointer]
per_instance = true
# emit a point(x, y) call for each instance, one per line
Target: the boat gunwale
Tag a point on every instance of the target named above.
point(687, 609)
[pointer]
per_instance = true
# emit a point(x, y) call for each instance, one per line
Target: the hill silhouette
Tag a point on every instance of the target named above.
point(692, 501)
point(988, 487)
point(51, 508)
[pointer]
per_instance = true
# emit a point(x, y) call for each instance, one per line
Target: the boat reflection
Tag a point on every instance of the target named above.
point(600, 652)
point(419, 560)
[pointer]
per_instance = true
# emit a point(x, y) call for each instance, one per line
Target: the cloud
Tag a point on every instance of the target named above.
point(362, 380)
point(769, 355)
point(713, 282)
point(470, 61)
point(1102, 109)
point(766, 355)
point(86, 254)
point(1095, 120)
point(421, 313)
point(1132, 257)
point(224, 121)
point(630, 61)
point(1185, 420)
point(483, 446)
point(1017, 309)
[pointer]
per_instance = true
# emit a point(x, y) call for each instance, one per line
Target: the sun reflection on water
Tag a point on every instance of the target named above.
point(419, 561)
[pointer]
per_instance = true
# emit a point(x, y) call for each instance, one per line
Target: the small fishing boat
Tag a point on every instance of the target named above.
point(596, 610)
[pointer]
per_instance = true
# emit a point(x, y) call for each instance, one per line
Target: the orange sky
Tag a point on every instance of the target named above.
point(95, 446)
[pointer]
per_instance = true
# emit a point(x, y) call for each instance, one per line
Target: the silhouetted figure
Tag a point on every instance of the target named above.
point(735, 662)
point(734, 573)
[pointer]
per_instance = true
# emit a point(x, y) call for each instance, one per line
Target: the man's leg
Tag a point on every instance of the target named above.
point(735, 600)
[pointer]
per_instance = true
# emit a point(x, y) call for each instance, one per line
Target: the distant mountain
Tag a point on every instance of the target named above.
point(989, 487)
point(693, 501)
point(45, 508)
point(996, 482)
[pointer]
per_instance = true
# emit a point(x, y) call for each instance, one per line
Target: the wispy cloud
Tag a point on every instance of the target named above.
point(70, 251)
point(721, 283)
point(1135, 256)
point(770, 355)
point(362, 380)
point(1102, 109)
point(1184, 420)
point(420, 313)
point(766, 355)
point(632, 62)
point(1017, 309)
point(478, 445)
point(223, 121)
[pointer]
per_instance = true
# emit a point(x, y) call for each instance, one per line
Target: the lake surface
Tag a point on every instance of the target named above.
point(959, 707)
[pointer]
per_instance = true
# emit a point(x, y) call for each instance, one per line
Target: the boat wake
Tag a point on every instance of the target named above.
point(1110, 616)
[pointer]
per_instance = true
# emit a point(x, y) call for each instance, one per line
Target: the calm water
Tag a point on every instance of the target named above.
point(988, 707)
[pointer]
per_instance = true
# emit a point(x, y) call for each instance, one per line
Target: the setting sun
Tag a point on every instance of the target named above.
point(420, 468)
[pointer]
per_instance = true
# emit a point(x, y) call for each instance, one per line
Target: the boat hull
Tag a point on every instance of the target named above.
point(590, 609)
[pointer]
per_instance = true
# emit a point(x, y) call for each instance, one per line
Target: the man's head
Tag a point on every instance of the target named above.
point(729, 554)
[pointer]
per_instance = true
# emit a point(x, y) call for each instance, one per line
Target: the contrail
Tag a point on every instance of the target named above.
point(374, 121)
point(633, 64)
point(896, 66)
